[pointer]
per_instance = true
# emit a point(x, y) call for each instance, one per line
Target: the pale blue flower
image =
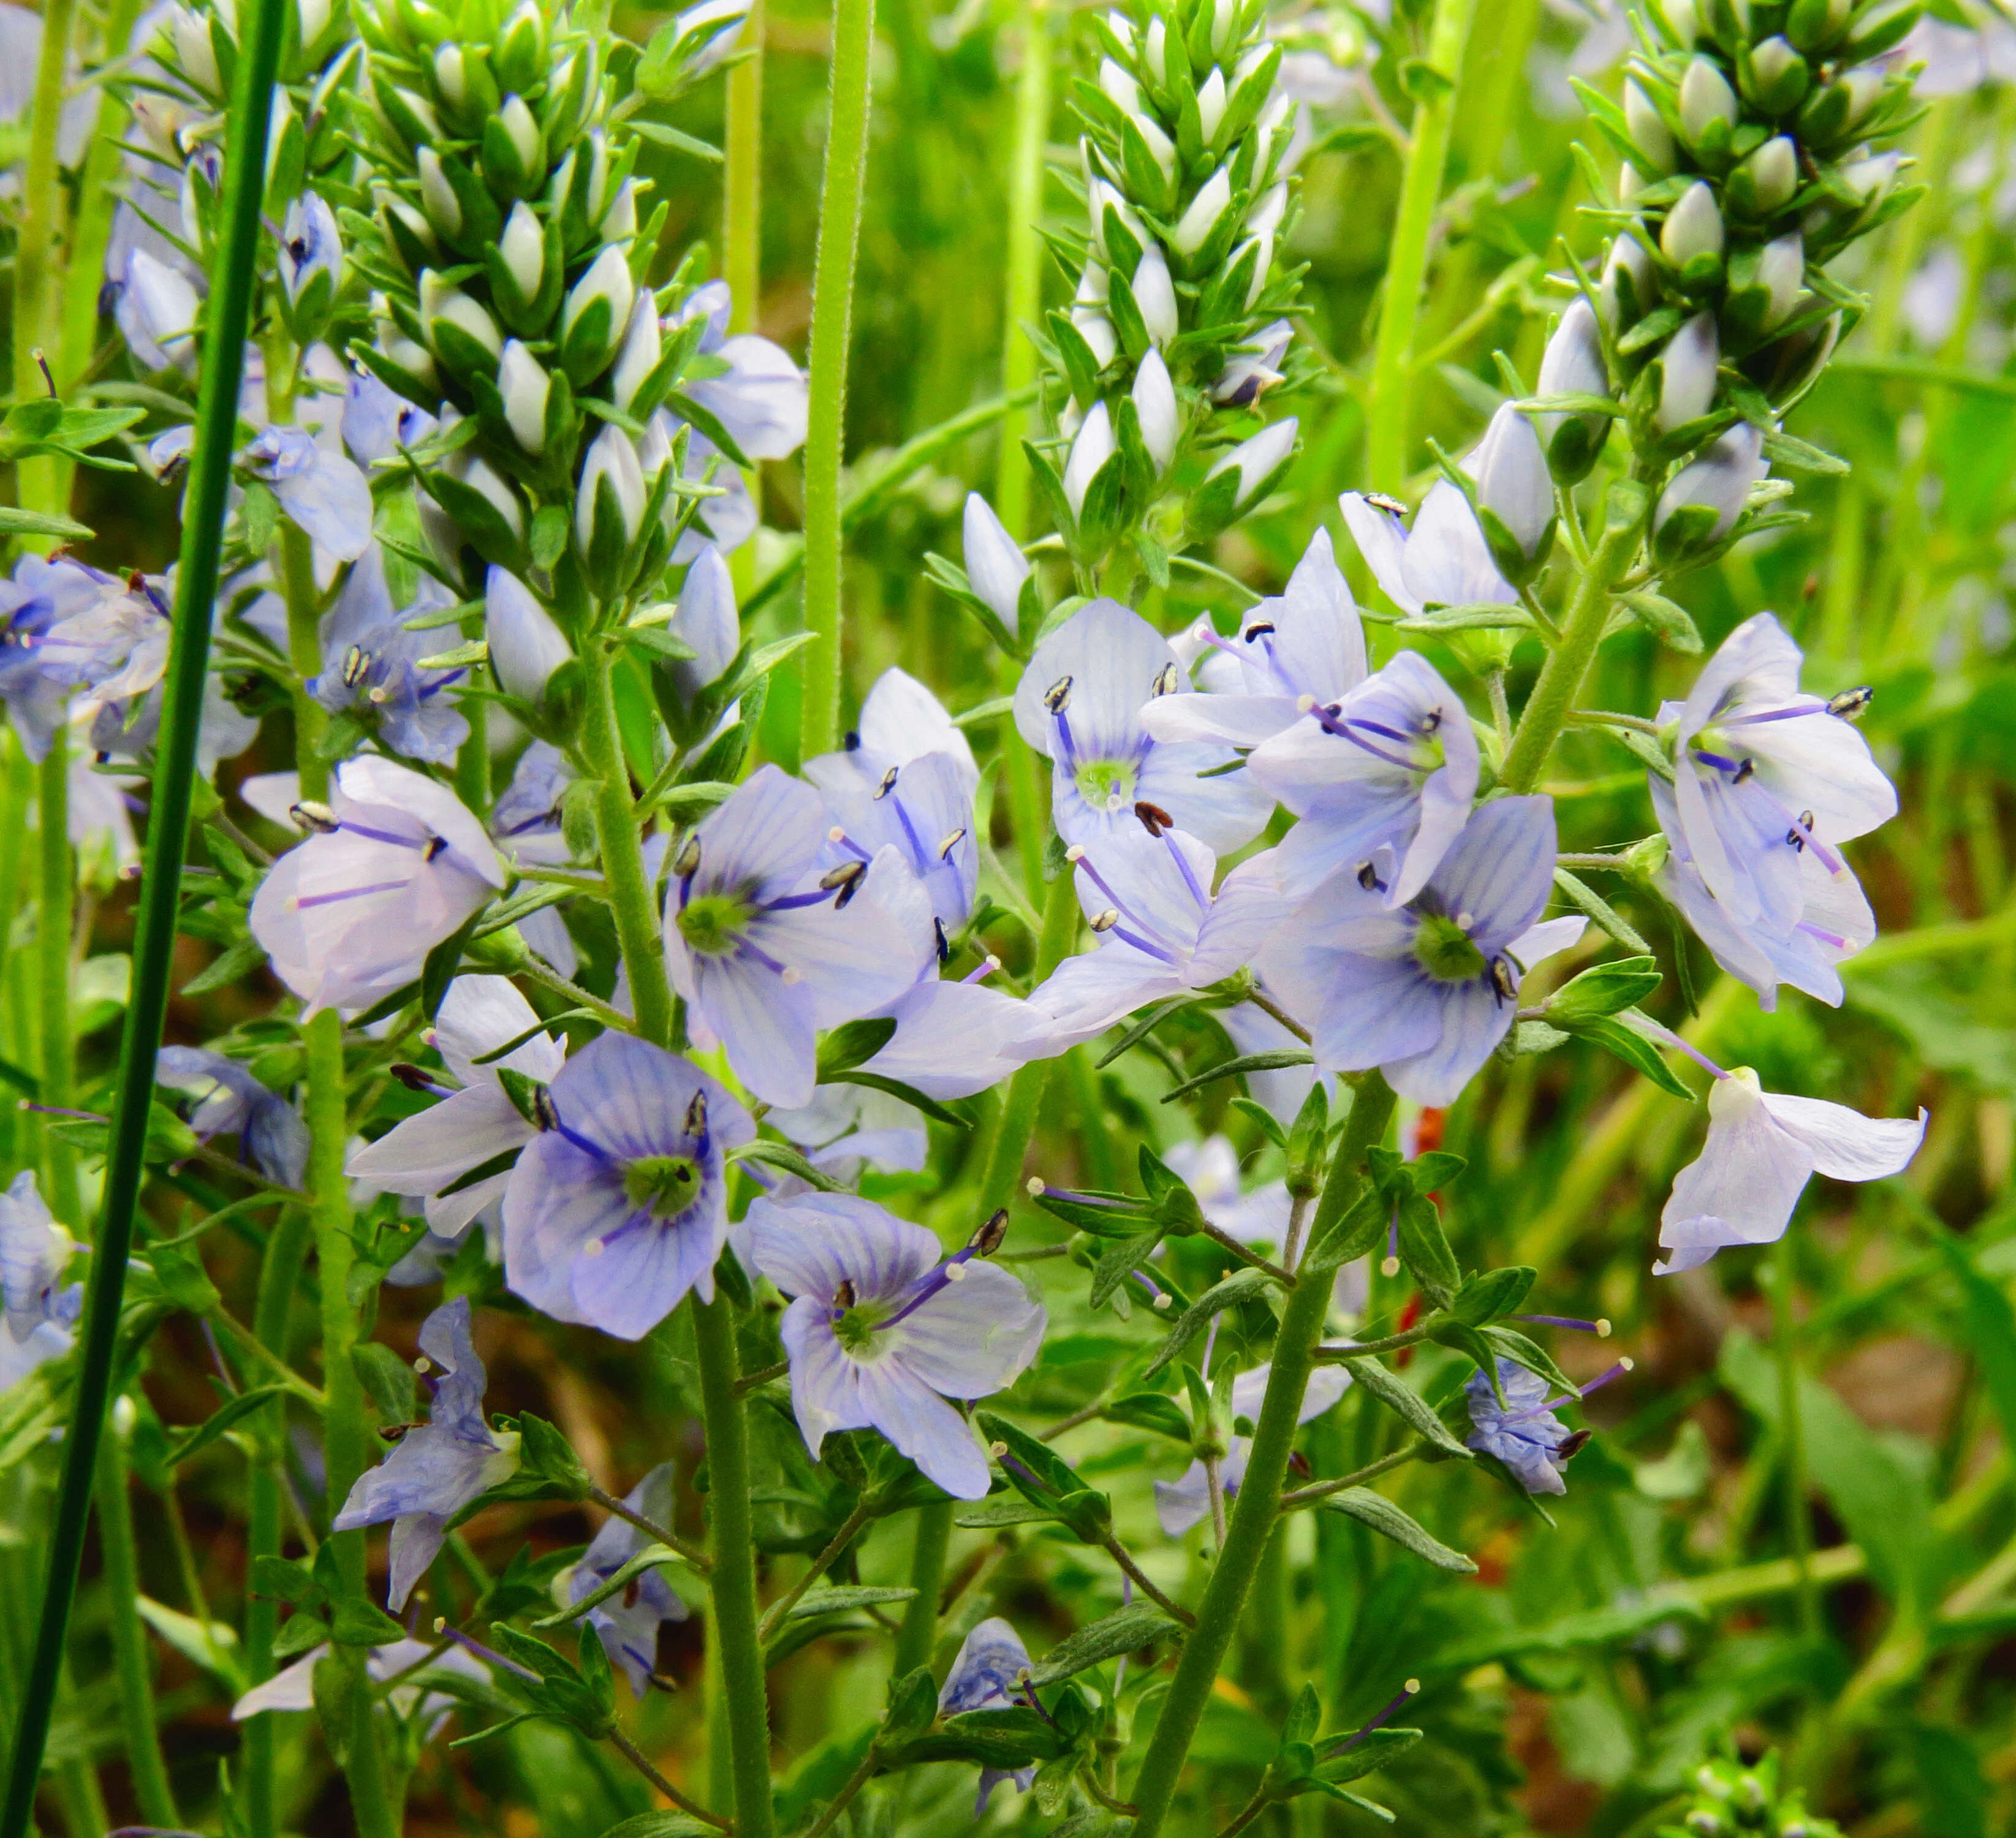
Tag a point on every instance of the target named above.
point(1080, 704)
point(1443, 560)
point(41, 1310)
point(988, 1674)
point(44, 609)
point(616, 1210)
point(1393, 761)
point(1523, 1432)
point(376, 423)
point(628, 1624)
point(438, 1467)
point(371, 664)
point(1425, 992)
point(768, 949)
point(325, 495)
point(952, 1039)
point(230, 1101)
point(1307, 645)
point(882, 1332)
point(526, 819)
point(706, 620)
point(762, 400)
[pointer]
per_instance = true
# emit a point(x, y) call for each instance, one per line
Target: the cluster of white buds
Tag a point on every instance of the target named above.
point(1180, 316)
point(1749, 133)
point(507, 252)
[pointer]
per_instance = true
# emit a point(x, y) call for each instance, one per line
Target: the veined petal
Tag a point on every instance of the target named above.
point(425, 1152)
point(1843, 1144)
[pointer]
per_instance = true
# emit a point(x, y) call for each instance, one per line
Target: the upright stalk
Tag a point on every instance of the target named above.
point(1792, 1439)
point(1023, 296)
point(1258, 1506)
point(160, 893)
point(131, 1660)
point(37, 256)
point(732, 1580)
point(826, 427)
point(1421, 190)
point(918, 1634)
point(741, 231)
point(56, 919)
point(1025, 1089)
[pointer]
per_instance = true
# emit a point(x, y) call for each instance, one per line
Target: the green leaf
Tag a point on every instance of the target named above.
point(781, 1155)
point(1508, 1343)
point(1398, 1397)
point(1491, 1293)
point(212, 1646)
point(280, 1579)
point(1375, 1510)
point(388, 1381)
point(1605, 989)
point(652, 1557)
point(1126, 1630)
point(245, 1405)
point(355, 1622)
point(1367, 1754)
point(1276, 1061)
point(14, 521)
point(1615, 1035)
point(1007, 1513)
point(853, 1043)
point(840, 1600)
point(917, 1100)
point(1150, 1410)
point(661, 1825)
point(1246, 1285)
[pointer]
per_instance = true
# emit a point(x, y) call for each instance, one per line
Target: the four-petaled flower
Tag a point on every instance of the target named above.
point(41, 1310)
point(882, 1331)
point(628, 1622)
point(1523, 1432)
point(439, 1466)
point(987, 1674)
point(230, 1100)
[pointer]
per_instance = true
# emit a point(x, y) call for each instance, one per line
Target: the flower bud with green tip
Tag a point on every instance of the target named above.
point(1709, 110)
point(1702, 504)
point(1514, 495)
point(597, 310)
point(609, 510)
point(1572, 365)
point(1687, 373)
point(526, 646)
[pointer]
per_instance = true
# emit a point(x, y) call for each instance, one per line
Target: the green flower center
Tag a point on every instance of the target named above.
point(1100, 781)
point(662, 1184)
point(1444, 950)
point(854, 1328)
point(712, 924)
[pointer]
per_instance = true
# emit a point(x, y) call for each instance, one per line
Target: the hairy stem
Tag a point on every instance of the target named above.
point(637, 1760)
point(849, 1530)
point(1025, 1089)
point(1254, 1514)
point(132, 1663)
point(825, 429)
point(1023, 297)
point(917, 1634)
point(38, 254)
point(1421, 190)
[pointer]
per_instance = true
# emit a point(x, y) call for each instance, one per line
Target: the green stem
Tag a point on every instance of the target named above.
point(1023, 298)
point(1025, 1089)
point(1554, 696)
point(132, 1661)
point(630, 893)
point(1792, 1439)
point(743, 1696)
point(1406, 266)
point(56, 919)
point(160, 890)
point(1254, 1516)
point(742, 211)
point(825, 429)
point(37, 255)
point(917, 1636)
point(836, 1546)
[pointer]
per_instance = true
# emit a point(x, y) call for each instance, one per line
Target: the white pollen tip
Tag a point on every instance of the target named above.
point(441, 1623)
point(1075, 852)
point(792, 977)
point(423, 1365)
point(997, 1450)
point(1628, 1363)
point(294, 904)
point(1603, 1330)
point(1163, 1300)
point(377, 695)
point(1035, 1188)
point(1304, 703)
point(1389, 1267)
point(1465, 920)
point(594, 1248)
point(1842, 874)
point(1115, 802)
point(835, 834)
point(993, 963)
point(955, 1273)
point(1411, 1686)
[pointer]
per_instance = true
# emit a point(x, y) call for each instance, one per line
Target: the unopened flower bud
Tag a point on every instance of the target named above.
point(481, 476)
point(1693, 230)
point(1814, 24)
point(1781, 271)
point(520, 58)
point(457, 325)
point(1627, 264)
point(524, 385)
point(450, 76)
point(1686, 385)
point(1779, 77)
point(1096, 330)
point(194, 51)
point(312, 16)
point(995, 566)
point(514, 153)
point(1155, 294)
point(1211, 104)
point(1154, 49)
point(1154, 398)
point(1265, 218)
point(654, 450)
point(1090, 451)
point(1707, 104)
point(1684, 22)
point(526, 646)
point(311, 260)
point(597, 309)
point(1250, 371)
point(1572, 364)
point(638, 356)
point(1765, 183)
point(1258, 461)
point(611, 493)
point(1871, 178)
point(523, 246)
point(1515, 493)
point(1834, 111)
point(437, 197)
point(1705, 497)
point(1100, 198)
point(1647, 129)
point(1119, 87)
point(1194, 228)
point(619, 221)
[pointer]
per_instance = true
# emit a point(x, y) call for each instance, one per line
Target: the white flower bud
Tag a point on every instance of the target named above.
point(1155, 50)
point(1572, 366)
point(1121, 26)
point(995, 566)
point(1099, 196)
point(1647, 129)
point(1512, 482)
point(1193, 229)
point(443, 208)
point(1781, 271)
point(1154, 399)
point(523, 384)
point(483, 476)
point(1224, 22)
point(526, 646)
point(619, 221)
point(1161, 149)
point(312, 16)
point(441, 303)
point(1118, 88)
point(1773, 173)
point(640, 351)
point(1720, 479)
point(1155, 294)
point(1211, 104)
point(194, 51)
point(1693, 227)
point(1870, 179)
point(1687, 384)
point(613, 460)
point(654, 452)
point(1091, 450)
point(1258, 459)
point(395, 347)
point(1263, 260)
point(1096, 330)
point(1685, 23)
point(1706, 100)
point(523, 246)
point(449, 78)
point(1265, 218)
point(523, 131)
point(1627, 257)
point(310, 245)
point(608, 278)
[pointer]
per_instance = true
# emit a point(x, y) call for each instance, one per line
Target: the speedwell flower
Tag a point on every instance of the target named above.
point(881, 1333)
point(619, 1207)
point(1442, 560)
point(987, 1674)
point(41, 1310)
point(628, 1624)
point(371, 664)
point(230, 1101)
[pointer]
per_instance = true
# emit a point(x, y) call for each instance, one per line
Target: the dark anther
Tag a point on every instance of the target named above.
point(951, 843)
point(1056, 698)
point(435, 845)
point(394, 1432)
point(1501, 979)
point(686, 865)
point(356, 665)
point(298, 249)
point(1154, 819)
point(1745, 770)
point(1380, 501)
point(1106, 920)
point(1431, 721)
point(1850, 703)
point(1797, 835)
point(311, 815)
point(888, 783)
point(1573, 1446)
point(988, 1239)
point(852, 742)
point(1260, 629)
point(944, 943)
point(414, 1078)
point(843, 1297)
point(696, 1115)
point(1169, 680)
point(545, 1114)
point(1299, 1464)
point(843, 881)
point(1368, 878)
point(101, 759)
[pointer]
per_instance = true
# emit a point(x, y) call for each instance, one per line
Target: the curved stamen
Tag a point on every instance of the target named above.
point(840, 839)
point(1064, 740)
point(1078, 859)
point(1189, 878)
point(791, 902)
point(1600, 1328)
point(382, 835)
point(1833, 940)
point(985, 967)
point(304, 901)
point(1328, 719)
point(1791, 712)
point(1373, 1721)
point(1158, 952)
